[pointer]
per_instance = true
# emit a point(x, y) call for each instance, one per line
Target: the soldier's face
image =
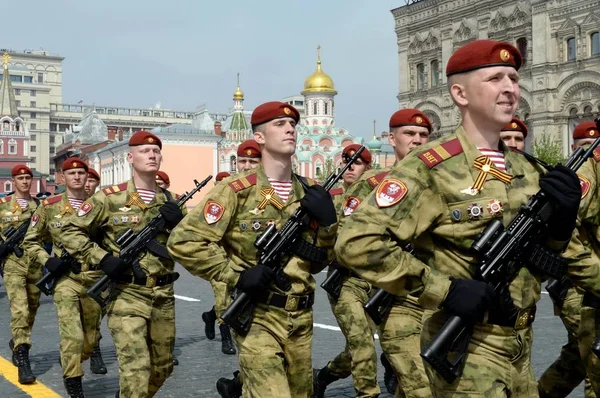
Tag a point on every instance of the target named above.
point(145, 158)
point(91, 184)
point(406, 138)
point(75, 178)
point(278, 136)
point(354, 171)
point(245, 164)
point(22, 183)
point(513, 139)
point(578, 143)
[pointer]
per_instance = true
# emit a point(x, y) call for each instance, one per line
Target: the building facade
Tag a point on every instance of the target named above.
point(559, 41)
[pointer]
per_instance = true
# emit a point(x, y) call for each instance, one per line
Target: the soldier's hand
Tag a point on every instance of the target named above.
point(171, 213)
point(256, 279)
point(319, 205)
point(112, 266)
point(469, 299)
point(3, 250)
point(562, 187)
point(55, 265)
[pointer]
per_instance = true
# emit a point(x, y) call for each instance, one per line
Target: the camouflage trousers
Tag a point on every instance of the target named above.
point(77, 320)
point(275, 356)
point(221, 298)
point(400, 336)
point(498, 362)
point(141, 321)
point(359, 357)
point(24, 298)
point(589, 331)
point(567, 372)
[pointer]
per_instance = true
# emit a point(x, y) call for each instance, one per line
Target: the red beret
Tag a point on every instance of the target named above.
point(273, 110)
point(586, 130)
point(249, 149)
point(220, 176)
point(163, 176)
point(143, 137)
point(20, 169)
point(74, 163)
point(410, 117)
point(352, 148)
point(93, 174)
point(516, 125)
point(483, 54)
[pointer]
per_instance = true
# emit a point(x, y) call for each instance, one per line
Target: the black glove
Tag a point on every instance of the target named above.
point(3, 250)
point(171, 213)
point(319, 205)
point(113, 266)
point(469, 299)
point(256, 279)
point(55, 265)
point(562, 187)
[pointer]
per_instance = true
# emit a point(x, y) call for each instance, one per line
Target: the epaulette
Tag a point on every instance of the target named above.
point(438, 154)
point(376, 179)
point(596, 154)
point(243, 183)
point(52, 199)
point(115, 189)
point(5, 199)
point(336, 191)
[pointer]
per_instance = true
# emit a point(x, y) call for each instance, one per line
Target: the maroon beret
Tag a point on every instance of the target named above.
point(516, 125)
point(249, 149)
point(352, 148)
point(163, 176)
point(273, 110)
point(20, 169)
point(483, 54)
point(221, 175)
point(93, 174)
point(410, 117)
point(143, 137)
point(586, 130)
point(74, 163)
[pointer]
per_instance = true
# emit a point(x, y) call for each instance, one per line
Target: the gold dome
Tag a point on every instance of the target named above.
point(239, 94)
point(319, 81)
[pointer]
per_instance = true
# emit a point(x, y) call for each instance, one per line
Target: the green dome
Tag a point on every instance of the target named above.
point(374, 144)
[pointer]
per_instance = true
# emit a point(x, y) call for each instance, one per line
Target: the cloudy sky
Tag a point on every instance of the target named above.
point(187, 53)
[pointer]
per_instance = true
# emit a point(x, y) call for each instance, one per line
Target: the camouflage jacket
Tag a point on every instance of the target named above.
point(216, 240)
point(11, 215)
point(108, 214)
point(427, 200)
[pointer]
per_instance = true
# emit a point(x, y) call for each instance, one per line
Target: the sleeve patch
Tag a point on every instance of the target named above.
point(213, 211)
point(350, 205)
point(585, 186)
point(85, 208)
point(35, 219)
point(390, 192)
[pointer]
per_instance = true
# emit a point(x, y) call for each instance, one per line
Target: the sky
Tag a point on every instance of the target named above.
point(187, 53)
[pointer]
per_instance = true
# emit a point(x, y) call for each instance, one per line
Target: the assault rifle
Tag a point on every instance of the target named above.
point(50, 278)
point(334, 281)
point(13, 237)
point(502, 252)
point(275, 250)
point(133, 244)
point(380, 304)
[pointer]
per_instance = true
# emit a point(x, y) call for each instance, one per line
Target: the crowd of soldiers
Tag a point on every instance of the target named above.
point(406, 229)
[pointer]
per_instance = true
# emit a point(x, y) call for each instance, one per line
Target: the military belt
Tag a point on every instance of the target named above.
point(519, 319)
point(289, 302)
point(149, 281)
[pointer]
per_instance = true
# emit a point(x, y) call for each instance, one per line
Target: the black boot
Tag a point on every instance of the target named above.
point(209, 319)
point(321, 379)
point(97, 365)
point(227, 345)
point(230, 388)
point(73, 387)
point(22, 358)
point(389, 377)
point(11, 345)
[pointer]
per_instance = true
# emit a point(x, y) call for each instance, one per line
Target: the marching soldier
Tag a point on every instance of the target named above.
point(514, 133)
point(248, 155)
point(221, 176)
point(141, 314)
point(93, 182)
point(20, 274)
point(435, 200)
point(77, 313)
point(216, 242)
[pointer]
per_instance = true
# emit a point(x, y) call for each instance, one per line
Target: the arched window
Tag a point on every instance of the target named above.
point(522, 46)
point(435, 73)
point(7, 186)
point(595, 43)
point(571, 49)
point(420, 76)
point(573, 120)
point(326, 108)
point(1, 147)
point(315, 108)
point(233, 164)
point(12, 146)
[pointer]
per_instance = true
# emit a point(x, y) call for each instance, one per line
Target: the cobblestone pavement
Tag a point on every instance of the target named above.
point(201, 362)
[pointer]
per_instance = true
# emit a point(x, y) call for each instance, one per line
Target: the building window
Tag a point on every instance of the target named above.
point(326, 108)
point(315, 108)
point(27, 79)
point(17, 91)
point(420, 76)
point(435, 73)
point(7, 186)
point(33, 136)
point(571, 49)
point(33, 148)
point(52, 139)
point(33, 104)
point(52, 149)
point(18, 102)
point(33, 126)
point(522, 46)
point(12, 147)
point(33, 160)
point(1, 147)
point(33, 93)
point(595, 37)
point(17, 79)
point(40, 78)
point(33, 115)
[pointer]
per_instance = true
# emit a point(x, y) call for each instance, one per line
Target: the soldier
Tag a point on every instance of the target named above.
point(141, 314)
point(359, 357)
point(163, 180)
point(221, 176)
point(514, 133)
point(93, 182)
point(248, 155)
point(77, 313)
point(216, 241)
point(435, 200)
point(19, 274)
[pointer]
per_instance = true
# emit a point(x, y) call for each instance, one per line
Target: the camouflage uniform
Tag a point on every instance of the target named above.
point(20, 275)
point(426, 200)
point(77, 313)
point(400, 332)
point(141, 319)
point(216, 242)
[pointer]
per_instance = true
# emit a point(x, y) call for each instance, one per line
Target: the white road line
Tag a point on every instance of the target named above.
point(184, 298)
point(544, 292)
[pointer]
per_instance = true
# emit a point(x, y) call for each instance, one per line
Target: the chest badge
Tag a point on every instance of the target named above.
point(495, 207)
point(124, 209)
point(256, 225)
point(474, 211)
point(456, 215)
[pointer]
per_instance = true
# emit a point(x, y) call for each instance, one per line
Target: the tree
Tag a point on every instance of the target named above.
point(327, 170)
point(548, 149)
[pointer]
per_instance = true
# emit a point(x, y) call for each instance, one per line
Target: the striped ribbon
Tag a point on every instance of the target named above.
point(485, 166)
point(268, 195)
point(135, 199)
